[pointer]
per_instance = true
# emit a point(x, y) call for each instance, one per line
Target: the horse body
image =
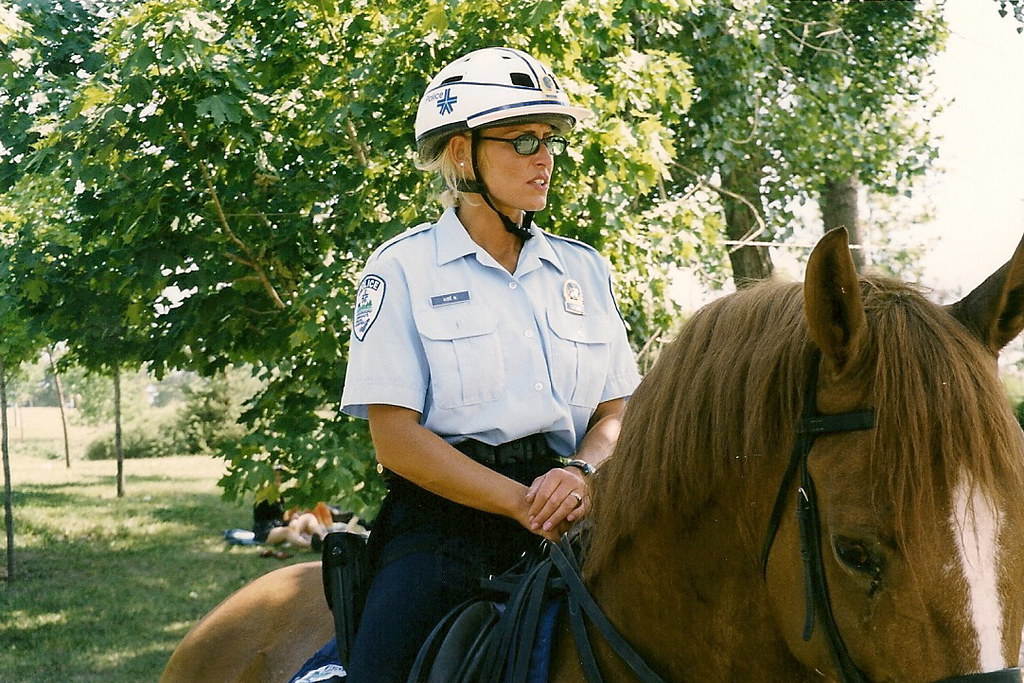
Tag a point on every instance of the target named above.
point(921, 522)
point(261, 633)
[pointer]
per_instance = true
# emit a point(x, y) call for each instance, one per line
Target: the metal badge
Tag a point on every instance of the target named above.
point(572, 297)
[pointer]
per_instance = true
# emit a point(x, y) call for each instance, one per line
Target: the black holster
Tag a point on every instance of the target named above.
point(346, 576)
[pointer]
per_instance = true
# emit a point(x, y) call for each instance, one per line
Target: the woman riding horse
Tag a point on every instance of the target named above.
point(856, 394)
point(487, 354)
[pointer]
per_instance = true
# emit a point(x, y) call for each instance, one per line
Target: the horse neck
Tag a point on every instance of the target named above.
point(689, 596)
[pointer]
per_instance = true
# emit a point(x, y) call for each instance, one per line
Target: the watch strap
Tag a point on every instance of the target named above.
point(583, 466)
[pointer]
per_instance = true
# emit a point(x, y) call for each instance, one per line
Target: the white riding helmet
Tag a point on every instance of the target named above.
point(487, 87)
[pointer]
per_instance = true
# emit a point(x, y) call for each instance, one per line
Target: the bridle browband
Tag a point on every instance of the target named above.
point(818, 606)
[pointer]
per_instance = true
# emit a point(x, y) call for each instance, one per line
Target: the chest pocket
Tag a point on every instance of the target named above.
point(581, 345)
point(463, 353)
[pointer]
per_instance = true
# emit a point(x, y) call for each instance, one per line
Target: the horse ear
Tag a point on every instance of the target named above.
point(832, 300)
point(994, 311)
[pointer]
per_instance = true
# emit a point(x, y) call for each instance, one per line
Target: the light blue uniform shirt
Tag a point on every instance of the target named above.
point(441, 328)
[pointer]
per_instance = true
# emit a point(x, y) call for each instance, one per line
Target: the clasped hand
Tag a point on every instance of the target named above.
point(557, 499)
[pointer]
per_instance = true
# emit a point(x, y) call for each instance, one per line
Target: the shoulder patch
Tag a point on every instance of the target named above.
point(422, 227)
point(369, 298)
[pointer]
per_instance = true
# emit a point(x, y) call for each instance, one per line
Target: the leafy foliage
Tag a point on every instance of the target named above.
point(1016, 7)
point(207, 422)
point(200, 188)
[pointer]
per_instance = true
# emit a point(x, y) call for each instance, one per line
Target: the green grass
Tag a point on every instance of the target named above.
point(104, 588)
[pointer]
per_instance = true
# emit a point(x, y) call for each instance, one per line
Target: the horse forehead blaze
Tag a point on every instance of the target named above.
point(976, 522)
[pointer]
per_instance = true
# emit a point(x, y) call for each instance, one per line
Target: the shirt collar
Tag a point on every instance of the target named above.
point(536, 250)
point(453, 243)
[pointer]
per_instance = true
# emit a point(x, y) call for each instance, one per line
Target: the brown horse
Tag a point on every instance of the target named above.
point(916, 490)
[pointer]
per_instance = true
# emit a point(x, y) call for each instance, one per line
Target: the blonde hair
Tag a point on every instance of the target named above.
point(449, 173)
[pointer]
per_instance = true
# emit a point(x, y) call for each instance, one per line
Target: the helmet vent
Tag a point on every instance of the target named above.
point(522, 79)
point(451, 79)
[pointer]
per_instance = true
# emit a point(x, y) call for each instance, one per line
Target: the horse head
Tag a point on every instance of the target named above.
point(921, 527)
point(880, 417)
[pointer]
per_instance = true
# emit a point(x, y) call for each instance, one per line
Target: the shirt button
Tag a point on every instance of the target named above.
point(538, 386)
point(513, 285)
point(529, 334)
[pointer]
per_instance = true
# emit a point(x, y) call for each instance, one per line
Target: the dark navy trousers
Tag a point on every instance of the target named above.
point(430, 555)
point(419, 589)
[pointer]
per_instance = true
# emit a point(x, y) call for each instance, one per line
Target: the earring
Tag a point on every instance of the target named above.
point(462, 163)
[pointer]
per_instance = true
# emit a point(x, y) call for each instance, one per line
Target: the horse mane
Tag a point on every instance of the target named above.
point(725, 394)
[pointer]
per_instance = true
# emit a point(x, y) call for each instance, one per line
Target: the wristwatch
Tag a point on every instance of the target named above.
point(583, 466)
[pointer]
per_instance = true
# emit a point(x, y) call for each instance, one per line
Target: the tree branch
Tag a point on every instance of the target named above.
point(353, 137)
point(253, 261)
point(762, 227)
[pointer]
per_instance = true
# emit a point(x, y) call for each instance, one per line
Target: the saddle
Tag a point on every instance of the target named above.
point(505, 636)
point(496, 638)
point(487, 641)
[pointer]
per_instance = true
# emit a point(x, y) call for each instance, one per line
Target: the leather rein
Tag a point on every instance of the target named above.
point(811, 425)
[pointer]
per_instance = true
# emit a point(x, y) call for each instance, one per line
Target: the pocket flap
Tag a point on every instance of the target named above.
point(580, 329)
point(456, 322)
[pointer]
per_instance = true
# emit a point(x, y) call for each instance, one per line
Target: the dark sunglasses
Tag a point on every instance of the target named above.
point(528, 143)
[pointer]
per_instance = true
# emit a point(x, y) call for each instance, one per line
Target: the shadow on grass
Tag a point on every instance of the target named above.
point(105, 588)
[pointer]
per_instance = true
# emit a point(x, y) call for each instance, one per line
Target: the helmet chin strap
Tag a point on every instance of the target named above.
point(478, 186)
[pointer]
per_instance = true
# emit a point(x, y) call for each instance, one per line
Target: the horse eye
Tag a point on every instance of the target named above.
point(855, 555)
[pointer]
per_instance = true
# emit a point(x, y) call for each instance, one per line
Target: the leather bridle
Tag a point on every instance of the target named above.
point(818, 606)
point(812, 424)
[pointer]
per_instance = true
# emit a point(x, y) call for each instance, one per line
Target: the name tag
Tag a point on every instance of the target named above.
point(452, 298)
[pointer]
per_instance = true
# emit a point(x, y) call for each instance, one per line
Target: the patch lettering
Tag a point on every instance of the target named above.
point(369, 298)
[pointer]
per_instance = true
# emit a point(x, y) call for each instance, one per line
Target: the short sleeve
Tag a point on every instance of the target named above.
point(623, 376)
point(386, 363)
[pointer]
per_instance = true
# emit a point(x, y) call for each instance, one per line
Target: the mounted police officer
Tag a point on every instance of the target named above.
point(487, 354)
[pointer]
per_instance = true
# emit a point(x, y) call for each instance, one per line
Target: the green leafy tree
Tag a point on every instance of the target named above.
point(18, 344)
point(207, 422)
point(792, 103)
point(221, 170)
point(252, 167)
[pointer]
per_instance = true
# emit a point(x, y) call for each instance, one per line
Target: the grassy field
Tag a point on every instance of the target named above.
point(104, 588)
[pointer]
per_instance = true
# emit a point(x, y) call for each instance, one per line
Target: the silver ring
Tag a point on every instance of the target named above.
point(578, 497)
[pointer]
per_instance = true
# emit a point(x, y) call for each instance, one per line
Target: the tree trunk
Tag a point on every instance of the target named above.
point(118, 443)
point(8, 492)
point(60, 402)
point(839, 209)
point(740, 198)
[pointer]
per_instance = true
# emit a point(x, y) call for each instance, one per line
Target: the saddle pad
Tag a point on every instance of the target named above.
point(322, 667)
point(540, 658)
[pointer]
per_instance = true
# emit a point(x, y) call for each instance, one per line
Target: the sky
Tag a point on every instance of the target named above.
point(978, 198)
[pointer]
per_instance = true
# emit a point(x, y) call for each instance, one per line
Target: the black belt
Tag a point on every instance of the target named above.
point(526, 449)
